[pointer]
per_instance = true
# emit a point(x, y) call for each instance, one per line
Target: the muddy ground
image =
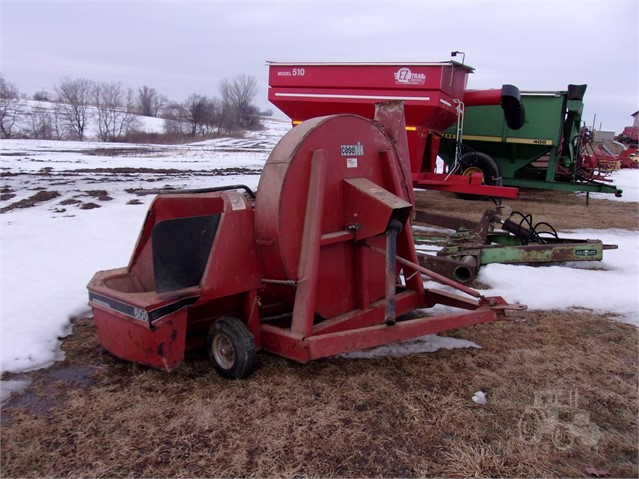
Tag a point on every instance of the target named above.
point(562, 400)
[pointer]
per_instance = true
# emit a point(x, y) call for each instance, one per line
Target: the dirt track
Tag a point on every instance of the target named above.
point(93, 415)
point(562, 209)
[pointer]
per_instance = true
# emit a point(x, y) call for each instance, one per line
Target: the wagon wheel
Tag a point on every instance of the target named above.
point(531, 428)
point(562, 437)
point(477, 162)
point(231, 348)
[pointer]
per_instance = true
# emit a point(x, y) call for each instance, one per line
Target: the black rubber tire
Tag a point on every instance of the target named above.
point(231, 348)
point(475, 160)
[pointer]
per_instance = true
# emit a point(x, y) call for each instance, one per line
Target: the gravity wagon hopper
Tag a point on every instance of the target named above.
point(320, 263)
point(435, 98)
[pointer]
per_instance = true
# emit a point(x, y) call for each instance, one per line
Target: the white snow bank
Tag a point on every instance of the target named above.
point(609, 286)
point(7, 388)
point(30, 156)
point(627, 180)
point(47, 262)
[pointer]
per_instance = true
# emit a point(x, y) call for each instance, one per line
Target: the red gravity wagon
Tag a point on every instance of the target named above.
point(435, 98)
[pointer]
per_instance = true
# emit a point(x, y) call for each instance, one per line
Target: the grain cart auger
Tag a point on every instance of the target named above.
point(323, 262)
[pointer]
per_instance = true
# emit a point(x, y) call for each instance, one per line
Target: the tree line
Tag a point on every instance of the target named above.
point(114, 111)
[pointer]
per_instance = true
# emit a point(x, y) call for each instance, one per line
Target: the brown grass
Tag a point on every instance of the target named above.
point(404, 417)
point(95, 416)
point(562, 209)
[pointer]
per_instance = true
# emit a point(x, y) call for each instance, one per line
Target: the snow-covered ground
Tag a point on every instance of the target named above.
point(29, 108)
point(51, 250)
point(627, 180)
point(609, 286)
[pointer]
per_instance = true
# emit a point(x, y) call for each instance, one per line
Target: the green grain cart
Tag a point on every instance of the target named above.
point(546, 153)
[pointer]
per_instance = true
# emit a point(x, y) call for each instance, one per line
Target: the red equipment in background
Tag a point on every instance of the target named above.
point(434, 96)
point(630, 135)
point(629, 158)
point(322, 263)
point(606, 161)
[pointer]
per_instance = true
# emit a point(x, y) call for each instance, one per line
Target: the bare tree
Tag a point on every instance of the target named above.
point(132, 121)
point(11, 108)
point(239, 94)
point(8, 89)
point(114, 110)
point(200, 114)
point(74, 104)
point(175, 119)
point(41, 95)
point(195, 116)
point(150, 102)
point(225, 118)
point(41, 123)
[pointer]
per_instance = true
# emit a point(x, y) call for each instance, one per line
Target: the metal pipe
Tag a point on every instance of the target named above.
point(458, 137)
point(197, 190)
point(394, 227)
point(468, 271)
point(431, 274)
point(482, 97)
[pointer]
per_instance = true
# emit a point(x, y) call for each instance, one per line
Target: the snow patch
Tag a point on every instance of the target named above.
point(626, 180)
point(13, 386)
point(609, 286)
point(424, 344)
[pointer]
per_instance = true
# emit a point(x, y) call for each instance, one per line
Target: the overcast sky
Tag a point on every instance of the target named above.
point(184, 47)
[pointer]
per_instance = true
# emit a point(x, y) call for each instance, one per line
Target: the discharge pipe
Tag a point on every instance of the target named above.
point(509, 97)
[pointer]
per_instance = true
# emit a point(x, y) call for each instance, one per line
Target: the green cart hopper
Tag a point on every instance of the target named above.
point(546, 153)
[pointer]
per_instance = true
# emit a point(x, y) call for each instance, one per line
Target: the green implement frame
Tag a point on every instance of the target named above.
point(545, 153)
point(474, 244)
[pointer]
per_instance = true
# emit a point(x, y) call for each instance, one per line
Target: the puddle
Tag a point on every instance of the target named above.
point(40, 391)
point(77, 377)
point(33, 403)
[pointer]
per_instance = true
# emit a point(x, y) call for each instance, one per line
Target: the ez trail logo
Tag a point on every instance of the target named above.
point(404, 76)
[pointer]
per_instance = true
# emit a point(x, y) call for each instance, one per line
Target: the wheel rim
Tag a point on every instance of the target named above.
point(223, 351)
point(474, 169)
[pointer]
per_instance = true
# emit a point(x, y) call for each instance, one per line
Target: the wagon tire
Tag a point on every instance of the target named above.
point(562, 437)
point(531, 428)
point(231, 348)
point(477, 162)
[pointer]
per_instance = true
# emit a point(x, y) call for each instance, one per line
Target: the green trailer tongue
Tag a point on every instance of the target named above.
point(513, 240)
